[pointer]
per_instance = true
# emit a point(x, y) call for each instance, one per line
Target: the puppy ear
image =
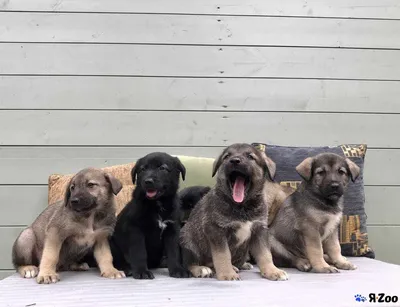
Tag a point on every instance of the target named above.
point(134, 171)
point(67, 195)
point(217, 163)
point(304, 168)
point(354, 169)
point(270, 167)
point(116, 185)
point(181, 168)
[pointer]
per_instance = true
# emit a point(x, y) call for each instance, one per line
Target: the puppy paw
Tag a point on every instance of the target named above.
point(28, 271)
point(201, 271)
point(325, 269)
point(142, 274)
point(112, 273)
point(235, 269)
point(179, 273)
point(345, 265)
point(79, 266)
point(275, 274)
point(228, 275)
point(247, 266)
point(47, 278)
point(303, 265)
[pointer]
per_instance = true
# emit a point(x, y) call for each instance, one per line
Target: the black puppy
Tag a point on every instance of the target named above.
point(149, 224)
point(188, 199)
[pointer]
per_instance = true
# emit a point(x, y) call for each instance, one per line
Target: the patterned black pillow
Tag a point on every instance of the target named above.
point(353, 231)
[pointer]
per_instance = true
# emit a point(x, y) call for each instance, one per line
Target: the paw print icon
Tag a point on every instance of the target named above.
point(360, 298)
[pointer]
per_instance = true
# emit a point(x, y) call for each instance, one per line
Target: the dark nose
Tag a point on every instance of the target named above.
point(334, 185)
point(235, 160)
point(149, 181)
point(75, 201)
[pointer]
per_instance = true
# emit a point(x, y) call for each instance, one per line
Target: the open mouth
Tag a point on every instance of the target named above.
point(239, 184)
point(151, 193)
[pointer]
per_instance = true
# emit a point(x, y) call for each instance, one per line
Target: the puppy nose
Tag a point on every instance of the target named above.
point(74, 201)
point(149, 181)
point(334, 185)
point(235, 160)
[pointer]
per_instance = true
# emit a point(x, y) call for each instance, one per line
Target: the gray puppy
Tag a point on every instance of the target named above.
point(231, 220)
point(306, 225)
point(66, 231)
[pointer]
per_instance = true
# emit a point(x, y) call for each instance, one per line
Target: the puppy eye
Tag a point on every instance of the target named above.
point(142, 168)
point(342, 171)
point(91, 184)
point(320, 172)
point(72, 187)
point(163, 168)
point(250, 156)
point(227, 156)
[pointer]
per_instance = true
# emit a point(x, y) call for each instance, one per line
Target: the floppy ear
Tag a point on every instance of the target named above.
point(304, 168)
point(67, 195)
point(116, 185)
point(270, 167)
point(134, 171)
point(181, 168)
point(217, 163)
point(354, 169)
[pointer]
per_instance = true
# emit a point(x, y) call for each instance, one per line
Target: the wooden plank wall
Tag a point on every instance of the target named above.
point(101, 82)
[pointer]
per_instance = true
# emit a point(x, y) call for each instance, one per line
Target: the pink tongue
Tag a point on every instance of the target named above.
point(238, 190)
point(151, 193)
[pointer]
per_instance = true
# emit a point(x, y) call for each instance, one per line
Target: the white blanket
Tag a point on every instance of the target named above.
point(302, 289)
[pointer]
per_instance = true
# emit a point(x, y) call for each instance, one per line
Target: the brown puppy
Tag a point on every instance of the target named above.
point(231, 220)
point(306, 226)
point(67, 230)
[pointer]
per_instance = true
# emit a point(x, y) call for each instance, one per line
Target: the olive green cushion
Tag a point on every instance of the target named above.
point(198, 171)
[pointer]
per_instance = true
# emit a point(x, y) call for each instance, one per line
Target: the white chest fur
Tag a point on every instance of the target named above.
point(162, 224)
point(331, 226)
point(88, 237)
point(243, 233)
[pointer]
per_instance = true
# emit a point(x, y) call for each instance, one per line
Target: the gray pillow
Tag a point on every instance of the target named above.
point(353, 231)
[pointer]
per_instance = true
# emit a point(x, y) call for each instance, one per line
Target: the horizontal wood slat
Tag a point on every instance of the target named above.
point(315, 8)
point(277, 62)
point(212, 30)
point(8, 235)
point(6, 273)
point(385, 242)
point(381, 205)
point(23, 204)
point(194, 128)
point(41, 92)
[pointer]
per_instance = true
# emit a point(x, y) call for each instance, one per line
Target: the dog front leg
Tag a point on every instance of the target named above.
point(259, 248)
point(50, 256)
point(136, 255)
point(222, 259)
point(171, 246)
point(104, 259)
point(333, 249)
point(315, 254)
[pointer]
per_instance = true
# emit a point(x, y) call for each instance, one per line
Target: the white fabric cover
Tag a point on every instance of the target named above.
point(302, 289)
